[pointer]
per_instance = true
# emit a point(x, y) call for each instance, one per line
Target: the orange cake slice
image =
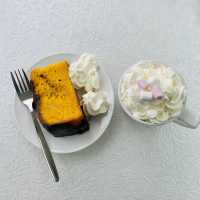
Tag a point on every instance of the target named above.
point(58, 102)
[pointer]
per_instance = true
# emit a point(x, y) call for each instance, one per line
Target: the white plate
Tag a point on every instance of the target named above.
point(73, 143)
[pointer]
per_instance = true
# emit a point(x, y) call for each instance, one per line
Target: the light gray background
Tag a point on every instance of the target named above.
point(130, 161)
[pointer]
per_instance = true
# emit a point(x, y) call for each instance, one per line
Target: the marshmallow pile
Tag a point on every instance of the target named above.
point(149, 91)
point(152, 92)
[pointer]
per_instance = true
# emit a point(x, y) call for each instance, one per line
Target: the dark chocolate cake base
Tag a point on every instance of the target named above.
point(61, 130)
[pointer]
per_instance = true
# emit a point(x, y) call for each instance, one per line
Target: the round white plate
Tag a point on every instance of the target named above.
point(73, 143)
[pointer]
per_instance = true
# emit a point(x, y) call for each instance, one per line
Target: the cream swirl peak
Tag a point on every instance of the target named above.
point(95, 103)
point(84, 73)
point(153, 93)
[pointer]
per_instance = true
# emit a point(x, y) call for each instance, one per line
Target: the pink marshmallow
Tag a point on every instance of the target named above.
point(142, 84)
point(157, 92)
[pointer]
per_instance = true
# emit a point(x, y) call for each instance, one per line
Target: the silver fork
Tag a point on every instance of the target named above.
point(24, 92)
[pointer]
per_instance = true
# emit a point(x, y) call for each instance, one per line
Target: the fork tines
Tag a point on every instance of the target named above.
point(20, 81)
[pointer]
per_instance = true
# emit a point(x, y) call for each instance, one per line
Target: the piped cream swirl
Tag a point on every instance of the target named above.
point(84, 73)
point(95, 103)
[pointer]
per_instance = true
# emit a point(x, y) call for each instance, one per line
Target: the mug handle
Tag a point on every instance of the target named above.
point(188, 119)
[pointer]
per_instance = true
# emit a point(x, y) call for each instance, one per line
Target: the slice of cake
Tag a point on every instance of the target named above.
point(55, 97)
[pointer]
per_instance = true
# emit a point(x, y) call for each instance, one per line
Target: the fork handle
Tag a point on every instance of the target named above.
point(45, 147)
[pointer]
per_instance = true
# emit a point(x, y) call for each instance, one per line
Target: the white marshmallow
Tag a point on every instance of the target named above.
point(145, 95)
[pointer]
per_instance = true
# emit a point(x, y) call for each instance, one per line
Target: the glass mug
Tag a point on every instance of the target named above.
point(186, 118)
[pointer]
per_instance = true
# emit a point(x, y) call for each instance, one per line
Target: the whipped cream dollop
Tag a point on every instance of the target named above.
point(152, 92)
point(95, 103)
point(84, 73)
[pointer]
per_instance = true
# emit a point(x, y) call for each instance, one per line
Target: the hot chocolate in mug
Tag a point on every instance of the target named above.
point(155, 94)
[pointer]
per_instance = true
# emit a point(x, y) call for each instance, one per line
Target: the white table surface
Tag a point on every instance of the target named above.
point(130, 161)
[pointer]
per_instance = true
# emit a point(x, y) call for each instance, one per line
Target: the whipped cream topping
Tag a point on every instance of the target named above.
point(84, 73)
point(95, 103)
point(152, 93)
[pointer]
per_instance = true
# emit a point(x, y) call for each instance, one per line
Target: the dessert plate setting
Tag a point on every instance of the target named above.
point(71, 101)
point(94, 94)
